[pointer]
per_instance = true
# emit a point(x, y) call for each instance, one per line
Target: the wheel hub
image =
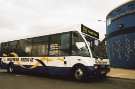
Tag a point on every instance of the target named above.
point(79, 73)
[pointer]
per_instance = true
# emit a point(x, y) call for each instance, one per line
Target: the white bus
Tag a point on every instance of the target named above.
point(71, 52)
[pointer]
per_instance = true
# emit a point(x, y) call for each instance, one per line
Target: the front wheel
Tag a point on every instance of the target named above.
point(103, 76)
point(80, 73)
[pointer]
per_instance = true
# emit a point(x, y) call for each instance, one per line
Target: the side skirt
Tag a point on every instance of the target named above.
point(44, 70)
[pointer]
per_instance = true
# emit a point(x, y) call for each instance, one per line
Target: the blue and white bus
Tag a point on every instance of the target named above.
point(69, 52)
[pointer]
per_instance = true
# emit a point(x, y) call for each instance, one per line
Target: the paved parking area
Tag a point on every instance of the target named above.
point(122, 73)
point(15, 81)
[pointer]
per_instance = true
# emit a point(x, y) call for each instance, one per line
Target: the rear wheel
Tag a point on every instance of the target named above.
point(10, 68)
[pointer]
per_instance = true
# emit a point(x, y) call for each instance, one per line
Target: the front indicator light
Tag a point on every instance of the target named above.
point(96, 67)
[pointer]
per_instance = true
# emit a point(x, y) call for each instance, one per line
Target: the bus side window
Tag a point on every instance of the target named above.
point(65, 44)
point(54, 45)
point(59, 44)
point(40, 46)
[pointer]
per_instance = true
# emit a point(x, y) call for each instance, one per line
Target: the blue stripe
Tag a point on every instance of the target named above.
point(44, 70)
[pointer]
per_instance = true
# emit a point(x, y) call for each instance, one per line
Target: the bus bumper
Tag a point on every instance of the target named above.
point(99, 70)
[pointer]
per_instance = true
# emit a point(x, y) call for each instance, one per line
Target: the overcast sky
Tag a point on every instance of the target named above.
point(26, 18)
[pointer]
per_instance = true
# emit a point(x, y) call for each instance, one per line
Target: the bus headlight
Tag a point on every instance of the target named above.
point(96, 67)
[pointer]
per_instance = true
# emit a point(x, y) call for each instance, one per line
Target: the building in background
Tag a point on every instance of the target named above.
point(120, 36)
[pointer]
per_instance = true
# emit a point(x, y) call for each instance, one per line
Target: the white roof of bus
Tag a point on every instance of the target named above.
point(55, 30)
point(61, 29)
point(65, 28)
point(49, 30)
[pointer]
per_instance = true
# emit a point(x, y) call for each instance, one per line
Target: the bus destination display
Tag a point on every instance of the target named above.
point(89, 31)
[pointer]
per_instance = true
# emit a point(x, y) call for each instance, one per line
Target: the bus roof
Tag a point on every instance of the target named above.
point(48, 31)
point(62, 29)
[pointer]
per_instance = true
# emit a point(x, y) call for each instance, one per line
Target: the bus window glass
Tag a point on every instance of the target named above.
point(65, 44)
point(79, 47)
point(40, 46)
point(59, 44)
point(54, 45)
point(40, 49)
point(4, 48)
point(93, 44)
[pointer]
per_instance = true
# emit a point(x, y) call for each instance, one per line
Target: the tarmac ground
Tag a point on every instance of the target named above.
point(116, 80)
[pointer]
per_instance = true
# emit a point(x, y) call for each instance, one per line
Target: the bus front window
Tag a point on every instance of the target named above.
point(79, 47)
point(93, 44)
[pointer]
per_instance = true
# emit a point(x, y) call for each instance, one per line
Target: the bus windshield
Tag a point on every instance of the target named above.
point(79, 47)
point(93, 44)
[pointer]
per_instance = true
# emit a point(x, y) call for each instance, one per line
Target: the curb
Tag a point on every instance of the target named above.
point(122, 73)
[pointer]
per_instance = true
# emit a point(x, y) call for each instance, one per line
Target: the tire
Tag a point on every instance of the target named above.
point(80, 73)
point(103, 76)
point(10, 68)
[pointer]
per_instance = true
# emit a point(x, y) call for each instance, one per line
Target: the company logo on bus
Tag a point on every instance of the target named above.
point(89, 31)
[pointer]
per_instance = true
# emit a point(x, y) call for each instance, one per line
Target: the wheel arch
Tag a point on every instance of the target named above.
point(78, 65)
point(11, 63)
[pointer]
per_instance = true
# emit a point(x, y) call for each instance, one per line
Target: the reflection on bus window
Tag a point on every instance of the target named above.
point(93, 44)
point(60, 45)
point(79, 46)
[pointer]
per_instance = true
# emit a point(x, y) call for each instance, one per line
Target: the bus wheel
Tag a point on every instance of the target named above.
point(80, 73)
point(10, 68)
point(103, 76)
